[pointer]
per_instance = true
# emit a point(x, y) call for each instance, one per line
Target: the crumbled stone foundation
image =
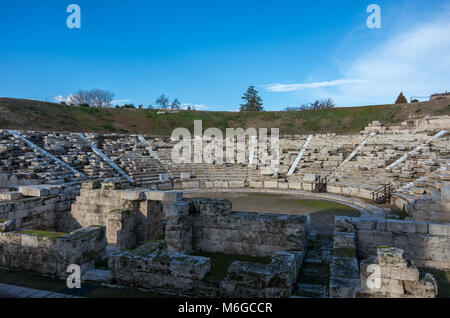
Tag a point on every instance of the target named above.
point(131, 216)
point(167, 266)
point(426, 244)
point(389, 275)
point(51, 253)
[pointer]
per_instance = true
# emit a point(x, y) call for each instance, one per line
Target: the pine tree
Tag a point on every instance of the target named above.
point(401, 99)
point(253, 101)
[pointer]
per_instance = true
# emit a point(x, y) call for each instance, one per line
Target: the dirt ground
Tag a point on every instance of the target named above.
point(322, 212)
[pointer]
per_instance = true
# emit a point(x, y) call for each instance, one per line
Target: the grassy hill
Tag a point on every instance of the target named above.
point(43, 116)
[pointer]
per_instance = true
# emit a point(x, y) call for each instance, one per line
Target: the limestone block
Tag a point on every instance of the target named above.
point(427, 287)
point(110, 185)
point(256, 184)
point(271, 184)
point(283, 185)
point(164, 177)
point(365, 223)
point(91, 185)
point(445, 194)
point(344, 287)
point(7, 226)
point(131, 195)
point(406, 274)
point(236, 184)
point(213, 207)
point(34, 191)
point(10, 196)
point(370, 276)
point(421, 227)
point(344, 240)
point(401, 226)
point(391, 256)
point(344, 267)
point(391, 286)
point(190, 184)
point(439, 229)
point(185, 175)
point(309, 177)
point(343, 224)
point(166, 196)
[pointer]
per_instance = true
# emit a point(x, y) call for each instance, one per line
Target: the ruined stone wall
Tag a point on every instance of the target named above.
point(274, 280)
point(131, 216)
point(209, 225)
point(51, 253)
point(166, 272)
point(389, 275)
point(38, 213)
point(426, 244)
point(152, 267)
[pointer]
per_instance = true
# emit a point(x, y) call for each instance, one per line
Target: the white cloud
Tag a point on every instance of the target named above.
point(196, 106)
point(282, 88)
point(120, 101)
point(415, 60)
point(61, 98)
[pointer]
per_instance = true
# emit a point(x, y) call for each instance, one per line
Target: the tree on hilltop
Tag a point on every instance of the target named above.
point(253, 101)
point(163, 101)
point(401, 99)
point(176, 105)
point(93, 98)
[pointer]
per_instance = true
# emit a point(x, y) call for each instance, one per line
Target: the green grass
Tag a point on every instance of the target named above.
point(42, 233)
point(37, 115)
point(220, 263)
point(344, 252)
point(148, 248)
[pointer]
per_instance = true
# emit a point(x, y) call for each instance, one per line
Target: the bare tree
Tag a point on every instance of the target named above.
point(163, 101)
point(101, 98)
point(81, 97)
point(176, 105)
point(93, 98)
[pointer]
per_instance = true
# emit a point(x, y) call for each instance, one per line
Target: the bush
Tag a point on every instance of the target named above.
point(317, 104)
point(84, 105)
point(401, 99)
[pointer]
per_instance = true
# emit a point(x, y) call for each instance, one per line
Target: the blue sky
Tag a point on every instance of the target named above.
point(206, 53)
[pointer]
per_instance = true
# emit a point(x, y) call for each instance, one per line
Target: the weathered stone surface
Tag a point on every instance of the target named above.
point(10, 196)
point(427, 287)
point(7, 226)
point(98, 276)
point(185, 176)
point(445, 194)
point(247, 279)
point(344, 240)
point(390, 275)
point(391, 256)
point(167, 196)
point(34, 191)
point(344, 225)
point(51, 253)
point(344, 287)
